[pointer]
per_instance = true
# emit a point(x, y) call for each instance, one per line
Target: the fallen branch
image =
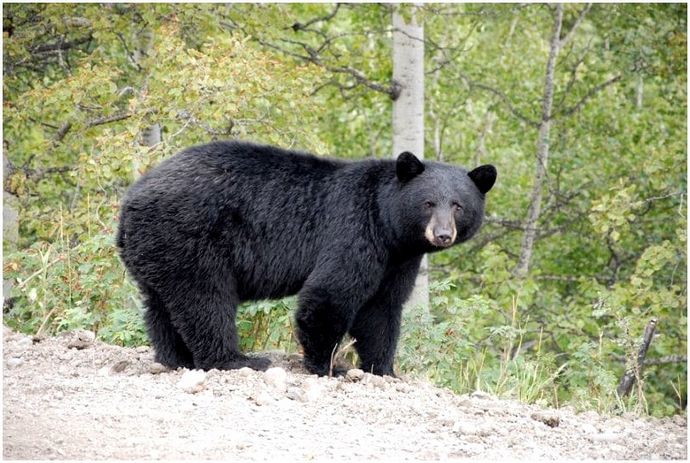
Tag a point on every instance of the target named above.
point(635, 371)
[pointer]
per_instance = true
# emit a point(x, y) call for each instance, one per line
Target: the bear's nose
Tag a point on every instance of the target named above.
point(444, 238)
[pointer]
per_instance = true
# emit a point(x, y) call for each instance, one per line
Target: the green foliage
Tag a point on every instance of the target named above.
point(267, 325)
point(83, 82)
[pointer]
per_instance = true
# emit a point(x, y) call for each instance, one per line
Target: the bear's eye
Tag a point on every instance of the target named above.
point(429, 204)
point(457, 207)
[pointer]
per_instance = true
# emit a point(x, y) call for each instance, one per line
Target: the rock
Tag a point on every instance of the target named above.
point(588, 428)
point(481, 395)
point(14, 362)
point(550, 419)
point(81, 339)
point(470, 429)
point(276, 379)
point(354, 375)
point(156, 368)
point(295, 393)
point(261, 398)
point(605, 437)
point(20, 346)
point(245, 371)
point(120, 366)
point(142, 349)
point(374, 380)
point(192, 381)
point(313, 390)
point(402, 387)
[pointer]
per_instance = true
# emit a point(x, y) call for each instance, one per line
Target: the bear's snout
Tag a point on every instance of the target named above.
point(441, 231)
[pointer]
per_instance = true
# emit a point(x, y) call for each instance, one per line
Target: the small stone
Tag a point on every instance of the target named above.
point(313, 390)
point(379, 382)
point(481, 395)
point(354, 375)
point(81, 339)
point(120, 366)
point(465, 428)
point(142, 349)
point(192, 381)
point(20, 346)
point(14, 362)
point(245, 371)
point(156, 368)
point(550, 419)
point(605, 437)
point(295, 393)
point(276, 378)
point(261, 398)
point(588, 428)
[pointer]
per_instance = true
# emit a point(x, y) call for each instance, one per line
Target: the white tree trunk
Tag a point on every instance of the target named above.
point(639, 92)
point(408, 111)
point(522, 267)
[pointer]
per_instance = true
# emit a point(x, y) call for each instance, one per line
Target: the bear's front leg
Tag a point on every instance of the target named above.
point(328, 303)
point(376, 326)
point(321, 325)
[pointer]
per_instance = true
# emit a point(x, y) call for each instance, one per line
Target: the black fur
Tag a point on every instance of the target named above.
point(227, 222)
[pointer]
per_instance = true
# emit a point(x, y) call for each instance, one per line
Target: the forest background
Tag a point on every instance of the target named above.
point(582, 108)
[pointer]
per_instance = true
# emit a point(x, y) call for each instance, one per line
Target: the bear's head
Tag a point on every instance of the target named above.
point(439, 205)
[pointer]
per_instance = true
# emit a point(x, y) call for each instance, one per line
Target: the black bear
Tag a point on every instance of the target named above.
point(227, 222)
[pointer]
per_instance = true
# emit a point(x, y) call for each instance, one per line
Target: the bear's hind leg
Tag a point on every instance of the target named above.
point(205, 317)
point(170, 349)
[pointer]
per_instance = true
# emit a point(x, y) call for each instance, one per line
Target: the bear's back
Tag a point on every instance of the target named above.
point(254, 159)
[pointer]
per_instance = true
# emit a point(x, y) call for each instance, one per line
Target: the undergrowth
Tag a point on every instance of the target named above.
point(465, 344)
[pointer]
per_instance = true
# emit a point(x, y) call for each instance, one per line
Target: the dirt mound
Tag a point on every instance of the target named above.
point(70, 397)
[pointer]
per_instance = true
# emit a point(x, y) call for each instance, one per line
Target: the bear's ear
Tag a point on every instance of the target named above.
point(408, 167)
point(484, 177)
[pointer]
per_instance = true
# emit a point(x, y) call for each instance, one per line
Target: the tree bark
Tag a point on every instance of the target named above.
point(408, 111)
point(522, 267)
point(639, 92)
point(635, 372)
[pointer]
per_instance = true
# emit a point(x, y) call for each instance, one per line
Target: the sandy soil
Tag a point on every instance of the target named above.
point(70, 397)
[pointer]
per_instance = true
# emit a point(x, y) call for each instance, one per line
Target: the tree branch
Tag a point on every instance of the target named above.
point(635, 372)
point(108, 119)
point(51, 47)
point(392, 90)
point(593, 91)
point(569, 35)
point(573, 74)
point(301, 27)
point(503, 97)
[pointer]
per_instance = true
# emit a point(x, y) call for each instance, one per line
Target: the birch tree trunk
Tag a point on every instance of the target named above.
point(408, 112)
point(522, 267)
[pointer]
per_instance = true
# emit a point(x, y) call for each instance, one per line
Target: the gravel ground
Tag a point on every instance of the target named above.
point(70, 397)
